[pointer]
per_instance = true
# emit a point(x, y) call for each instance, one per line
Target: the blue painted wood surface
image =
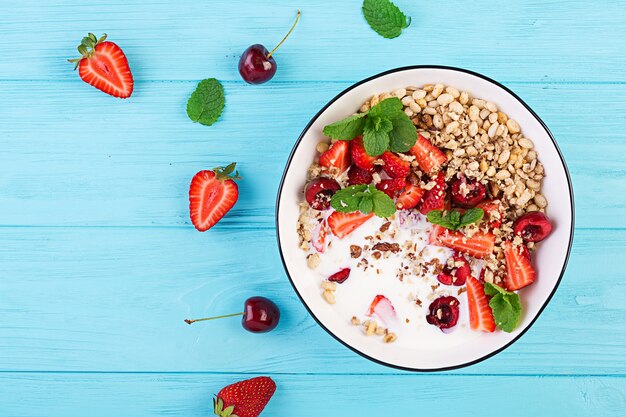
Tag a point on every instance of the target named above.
point(99, 263)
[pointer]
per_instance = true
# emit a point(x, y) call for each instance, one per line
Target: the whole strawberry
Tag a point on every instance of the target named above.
point(244, 398)
point(211, 194)
point(104, 66)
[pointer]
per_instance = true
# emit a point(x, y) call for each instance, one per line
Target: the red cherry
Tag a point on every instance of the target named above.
point(533, 226)
point(260, 315)
point(456, 275)
point(443, 312)
point(467, 193)
point(257, 65)
point(319, 191)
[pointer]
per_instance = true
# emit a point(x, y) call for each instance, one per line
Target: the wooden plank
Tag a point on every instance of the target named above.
point(138, 395)
point(113, 299)
point(533, 40)
point(76, 157)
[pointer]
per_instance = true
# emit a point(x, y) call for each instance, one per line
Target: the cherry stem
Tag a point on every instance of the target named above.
point(286, 36)
point(214, 318)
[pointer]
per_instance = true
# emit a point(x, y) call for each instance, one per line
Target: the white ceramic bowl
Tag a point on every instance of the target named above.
point(550, 260)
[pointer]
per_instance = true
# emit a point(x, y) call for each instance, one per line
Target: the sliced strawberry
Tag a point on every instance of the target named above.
point(481, 316)
point(392, 186)
point(318, 237)
point(360, 158)
point(104, 66)
point(493, 214)
point(358, 176)
point(338, 156)
point(340, 276)
point(342, 224)
point(409, 198)
point(211, 195)
point(519, 271)
point(435, 198)
point(382, 309)
point(480, 245)
point(395, 166)
point(428, 156)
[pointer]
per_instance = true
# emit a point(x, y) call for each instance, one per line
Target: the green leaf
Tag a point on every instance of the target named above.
point(346, 129)
point(403, 135)
point(385, 18)
point(366, 205)
point(383, 204)
point(473, 215)
point(376, 135)
point(206, 103)
point(347, 200)
point(506, 307)
point(447, 220)
point(388, 108)
point(229, 410)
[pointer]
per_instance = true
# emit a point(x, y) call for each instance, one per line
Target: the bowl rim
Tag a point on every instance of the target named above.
point(567, 175)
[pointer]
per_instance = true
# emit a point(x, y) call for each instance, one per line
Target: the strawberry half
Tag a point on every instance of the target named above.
point(382, 309)
point(392, 186)
point(104, 66)
point(481, 316)
point(519, 271)
point(428, 156)
point(244, 398)
point(360, 158)
point(409, 198)
point(342, 224)
point(492, 213)
point(435, 198)
point(395, 166)
point(211, 195)
point(480, 245)
point(338, 156)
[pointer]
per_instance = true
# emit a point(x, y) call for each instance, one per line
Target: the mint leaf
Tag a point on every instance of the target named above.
point(207, 102)
point(473, 215)
point(347, 200)
point(385, 18)
point(367, 204)
point(437, 217)
point(403, 135)
point(346, 129)
point(376, 135)
point(453, 219)
point(505, 305)
point(388, 108)
point(383, 204)
point(363, 198)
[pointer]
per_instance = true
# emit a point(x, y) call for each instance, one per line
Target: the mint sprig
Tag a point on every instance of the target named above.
point(385, 18)
point(506, 307)
point(363, 198)
point(453, 219)
point(384, 127)
point(207, 102)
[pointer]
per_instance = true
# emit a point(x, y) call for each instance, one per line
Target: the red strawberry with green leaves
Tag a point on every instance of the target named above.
point(428, 156)
point(104, 66)
point(244, 398)
point(211, 195)
point(395, 166)
point(360, 158)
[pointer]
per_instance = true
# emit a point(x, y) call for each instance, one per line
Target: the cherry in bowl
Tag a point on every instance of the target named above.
point(533, 226)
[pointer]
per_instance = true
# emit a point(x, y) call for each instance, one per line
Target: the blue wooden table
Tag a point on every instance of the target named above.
point(99, 263)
